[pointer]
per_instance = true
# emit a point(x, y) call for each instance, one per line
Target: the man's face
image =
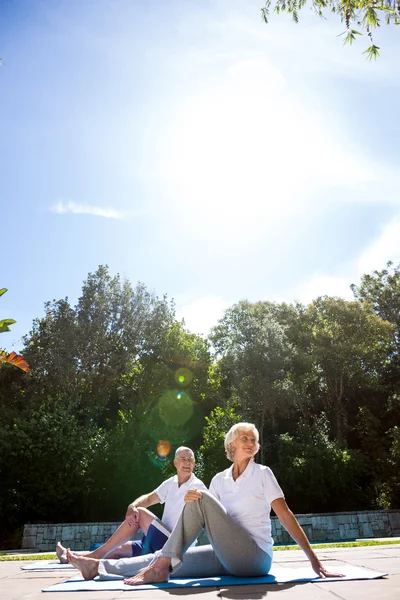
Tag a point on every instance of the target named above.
point(184, 463)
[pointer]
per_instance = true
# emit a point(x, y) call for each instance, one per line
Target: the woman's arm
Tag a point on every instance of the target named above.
point(291, 524)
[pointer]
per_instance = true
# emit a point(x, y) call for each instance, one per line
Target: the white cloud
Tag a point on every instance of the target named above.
point(374, 257)
point(86, 209)
point(202, 313)
point(386, 247)
point(317, 285)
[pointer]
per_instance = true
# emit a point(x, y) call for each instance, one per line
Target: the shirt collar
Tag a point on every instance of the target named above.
point(246, 473)
point(186, 482)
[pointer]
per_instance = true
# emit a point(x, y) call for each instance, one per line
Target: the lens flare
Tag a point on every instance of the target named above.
point(184, 377)
point(163, 448)
point(175, 412)
point(179, 395)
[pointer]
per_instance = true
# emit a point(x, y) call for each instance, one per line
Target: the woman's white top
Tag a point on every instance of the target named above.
point(248, 500)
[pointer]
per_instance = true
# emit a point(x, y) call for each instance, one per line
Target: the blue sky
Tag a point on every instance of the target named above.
point(190, 146)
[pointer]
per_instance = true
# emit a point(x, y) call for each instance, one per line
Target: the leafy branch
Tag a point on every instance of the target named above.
point(365, 14)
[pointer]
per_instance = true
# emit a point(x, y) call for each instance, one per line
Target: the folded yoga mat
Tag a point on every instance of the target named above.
point(277, 575)
point(46, 565)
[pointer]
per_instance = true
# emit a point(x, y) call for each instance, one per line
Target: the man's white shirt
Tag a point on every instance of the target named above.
point(172, 494)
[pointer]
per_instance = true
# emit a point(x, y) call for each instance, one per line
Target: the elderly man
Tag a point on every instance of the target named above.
point(156, 532)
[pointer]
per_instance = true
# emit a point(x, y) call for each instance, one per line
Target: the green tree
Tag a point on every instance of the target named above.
point(366, 15)
point(318, 473)
point(211, 458)
point(349, 346)
point(44, 457)
point(97, 349)
point(254, 357)
point(381, 290)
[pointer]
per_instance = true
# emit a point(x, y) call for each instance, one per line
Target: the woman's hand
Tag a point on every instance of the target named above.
point(192, 495)
point(320, 570)
point(290, 523)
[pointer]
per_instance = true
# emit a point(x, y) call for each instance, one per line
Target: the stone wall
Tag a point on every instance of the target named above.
point(78, 536)
point(318, 527)
point(342, 526)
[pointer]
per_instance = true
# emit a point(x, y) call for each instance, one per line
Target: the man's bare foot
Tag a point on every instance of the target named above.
point(89, 567)
point(158, 572)
point(61, 553)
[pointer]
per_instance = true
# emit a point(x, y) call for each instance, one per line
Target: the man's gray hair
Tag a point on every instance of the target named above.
point(183, 448)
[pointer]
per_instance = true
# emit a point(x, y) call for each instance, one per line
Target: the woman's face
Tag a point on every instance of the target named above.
point(245, 444)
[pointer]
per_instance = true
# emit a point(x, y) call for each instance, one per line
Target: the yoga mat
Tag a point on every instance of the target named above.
point(46, 565)
point(277, 575)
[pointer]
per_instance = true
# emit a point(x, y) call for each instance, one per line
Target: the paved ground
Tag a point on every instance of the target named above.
point(27, 585)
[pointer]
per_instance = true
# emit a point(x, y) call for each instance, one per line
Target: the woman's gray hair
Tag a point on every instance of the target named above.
point(232, 435)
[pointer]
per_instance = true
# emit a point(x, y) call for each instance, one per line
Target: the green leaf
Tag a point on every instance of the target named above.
point(7, 322)
point(3, 291)
point(372, 51)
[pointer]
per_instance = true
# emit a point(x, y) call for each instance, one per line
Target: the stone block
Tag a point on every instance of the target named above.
point(342, 519)
point(30, 530)
point(394, 522)
point(331, 523)
point(49, 533)
point(363, 518)
point(319, 535)
point(366, 530)
point(29, 541)
point(203, 539)
point(68, 533)
point(352, 534)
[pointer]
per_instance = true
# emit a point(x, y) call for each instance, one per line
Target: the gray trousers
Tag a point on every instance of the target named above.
point(232, 550)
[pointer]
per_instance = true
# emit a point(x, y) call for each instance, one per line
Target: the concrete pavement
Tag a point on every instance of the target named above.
point(16, 584)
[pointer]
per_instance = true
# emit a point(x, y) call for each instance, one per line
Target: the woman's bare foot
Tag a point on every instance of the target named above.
point(89, 567)
point(61, 553)
point(158, 572)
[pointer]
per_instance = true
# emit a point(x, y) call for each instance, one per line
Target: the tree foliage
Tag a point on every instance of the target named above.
point(111, 378)
point(11, 358)
point(366, 15)
point(117, 383)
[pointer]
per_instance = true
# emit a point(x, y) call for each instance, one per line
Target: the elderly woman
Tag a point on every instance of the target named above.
point(236, 516)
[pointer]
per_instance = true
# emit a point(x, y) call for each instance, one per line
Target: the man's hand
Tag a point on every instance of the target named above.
point(192, 495)
point(132, 515)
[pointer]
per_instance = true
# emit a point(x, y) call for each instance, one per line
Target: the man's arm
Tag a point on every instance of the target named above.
point(291, 524)
point(143, 502)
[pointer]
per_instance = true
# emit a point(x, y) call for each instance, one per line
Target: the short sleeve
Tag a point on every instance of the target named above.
point(214, 488)
point(272, 489)
point(199, 484)
point(162, 491)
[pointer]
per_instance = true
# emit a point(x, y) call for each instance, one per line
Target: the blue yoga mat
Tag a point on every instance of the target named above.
point(277, 575)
